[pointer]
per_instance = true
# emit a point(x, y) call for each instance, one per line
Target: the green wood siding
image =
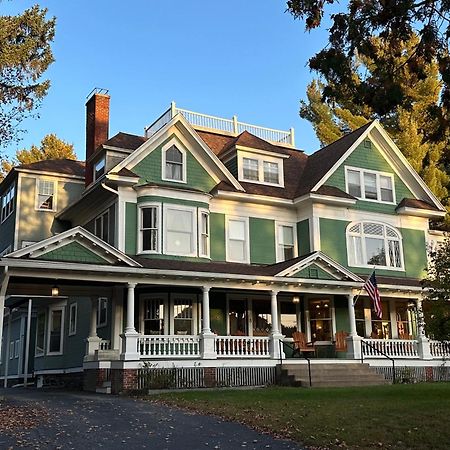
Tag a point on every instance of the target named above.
point(303, 237)
point(307, 273)
point(150, 171)
point(370, 158)
point(130, 228)
point(414, 249)
point(217, 238)
point(74, 252)
point(262, 241)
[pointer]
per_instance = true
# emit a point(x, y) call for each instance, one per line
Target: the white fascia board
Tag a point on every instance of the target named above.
point(122, 179)
point(51, 174)
point(171, 192)
point(244, 197)
point(73, 233)
point(408, 211)
point(118, 149)
point(328, 199)
point(261, 152)
point(338, 163)
point(408, 166)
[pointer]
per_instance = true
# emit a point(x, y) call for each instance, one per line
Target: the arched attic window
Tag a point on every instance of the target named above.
point(174, 164)
point(372, 244)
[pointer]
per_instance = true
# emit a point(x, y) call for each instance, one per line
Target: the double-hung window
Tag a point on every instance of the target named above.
point(285, 242)
point(370, 185)
point(102, 312)
point(55, 331)
point(250, 169)
point(237, 240)
point(180, 230)
point(271, 172)
point(40, 334)
point(374, 244)
point(203, 233)
point(260, 169)
point(45, 198)
point(101, 226)
point(8, 202)
point(150, 220)
point(174, 164)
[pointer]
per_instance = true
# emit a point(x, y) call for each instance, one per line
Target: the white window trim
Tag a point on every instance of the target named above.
point(72, 313)
point(99, 302)
point(55, 190)
point(176, 207)
point(102, 217)
point(174, 142)
point(199, 231)
point(12, 187)
point(139, 226)
point(260, 158)
point(279, 255)
point(361, 181)
point(49, 327)
point(247, 239)
point(351, 258)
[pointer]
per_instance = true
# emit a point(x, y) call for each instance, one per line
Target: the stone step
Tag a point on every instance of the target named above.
point(103, 390)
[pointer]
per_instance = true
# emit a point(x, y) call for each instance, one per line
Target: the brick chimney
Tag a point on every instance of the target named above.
point(97, 126)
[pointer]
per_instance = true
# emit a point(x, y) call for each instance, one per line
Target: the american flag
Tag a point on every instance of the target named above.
point(374, 294)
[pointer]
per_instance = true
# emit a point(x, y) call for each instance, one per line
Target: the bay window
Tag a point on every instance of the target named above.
point(179, 226)
point(237, 240)
point(370, 185)
point(203, 233)
point(374, 244)
point(149, 229)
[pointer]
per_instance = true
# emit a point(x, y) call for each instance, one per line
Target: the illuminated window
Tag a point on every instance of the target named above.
point(183, 322)
point(381, 328)
point(320, 320)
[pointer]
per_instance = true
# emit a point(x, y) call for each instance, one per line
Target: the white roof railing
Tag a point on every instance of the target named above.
point(226, 126)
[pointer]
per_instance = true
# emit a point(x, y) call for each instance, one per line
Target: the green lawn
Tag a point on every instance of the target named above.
point(415, 416)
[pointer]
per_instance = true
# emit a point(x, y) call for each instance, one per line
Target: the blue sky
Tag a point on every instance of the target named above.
point(222, 58)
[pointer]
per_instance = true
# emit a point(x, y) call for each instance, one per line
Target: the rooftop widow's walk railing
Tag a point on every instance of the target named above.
point(231, 126)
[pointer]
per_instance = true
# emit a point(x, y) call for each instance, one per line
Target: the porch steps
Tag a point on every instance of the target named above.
point(330, 375)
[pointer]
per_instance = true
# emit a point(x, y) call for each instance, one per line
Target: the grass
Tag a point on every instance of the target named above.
point(396, 417)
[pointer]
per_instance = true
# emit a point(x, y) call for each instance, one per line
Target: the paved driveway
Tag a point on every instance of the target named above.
point(87, 421)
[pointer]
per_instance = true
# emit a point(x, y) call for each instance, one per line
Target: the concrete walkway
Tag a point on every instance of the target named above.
point(86, 421)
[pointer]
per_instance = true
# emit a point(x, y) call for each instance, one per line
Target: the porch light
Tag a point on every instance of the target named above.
point(55, 291)
point(295, 299)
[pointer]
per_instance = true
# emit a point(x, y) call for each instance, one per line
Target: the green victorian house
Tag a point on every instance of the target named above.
point(208, 251)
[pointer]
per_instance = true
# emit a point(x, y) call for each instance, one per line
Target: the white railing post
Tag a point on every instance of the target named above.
point(208, 338)
point(275, 335)
point(423, 343)
point(173, 109)
point(351, 314)
point(292, 137)
point(235, 125)
point(130, 337)
point(93, 341)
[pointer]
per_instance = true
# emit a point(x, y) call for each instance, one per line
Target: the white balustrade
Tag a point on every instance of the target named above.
point(231, 126)
point(440, 349)
point(170, 346)
point(105, 344)
point(242, 347)
point(395, 348)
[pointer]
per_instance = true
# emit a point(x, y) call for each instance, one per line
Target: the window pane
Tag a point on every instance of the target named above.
point(236, 229)
point(182, 316)
point(286, 235)
point(376, 255)
point(174, 155)
point(174, 171)
point(356, 249)
point(250, 169)
point(55, 331)
point(179, 233)
point(237, 250)
point(271, 172)
point(179, 220)
point(354, 183)
point(40, 334)
point(154, 316)
point(394, 253)
point(386, 189)
point(370, 186)
point(178, 242)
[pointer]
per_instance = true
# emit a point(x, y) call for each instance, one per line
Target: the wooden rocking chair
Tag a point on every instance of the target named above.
point(300, 344)
point(340, 341)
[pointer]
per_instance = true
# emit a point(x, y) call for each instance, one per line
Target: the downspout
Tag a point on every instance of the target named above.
point(103, 185)
point(3, 286)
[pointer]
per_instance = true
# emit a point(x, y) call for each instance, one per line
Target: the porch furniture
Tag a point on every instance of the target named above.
point(300, 344)
point(340, 341)
point(324, 349)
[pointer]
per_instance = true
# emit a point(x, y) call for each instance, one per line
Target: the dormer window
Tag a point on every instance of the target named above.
point(174, 164)
point(99, 168)
point(260, 168)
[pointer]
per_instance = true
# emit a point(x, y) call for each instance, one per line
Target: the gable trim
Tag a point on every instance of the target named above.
point(77, 234)
point(291, 270)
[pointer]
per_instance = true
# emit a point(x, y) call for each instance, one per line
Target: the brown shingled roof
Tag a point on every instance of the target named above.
point(320, 162)
point(414, 203)
point(125, 173)
point(126, 141)
point(57, 166)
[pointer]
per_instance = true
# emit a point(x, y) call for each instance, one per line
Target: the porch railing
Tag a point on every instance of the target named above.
point(440, 349)
point(105, 344)
point(398, 348)
point(242, 346)
point(156, 346)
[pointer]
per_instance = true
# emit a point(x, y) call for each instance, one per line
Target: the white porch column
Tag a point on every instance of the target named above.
point(208, 348)
point(93, 341)
point(4, 278)
point(6, 355)
point(27, 343)
point(130, 337)
point(353, 340)
point(423, 343)
point(276, 350)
